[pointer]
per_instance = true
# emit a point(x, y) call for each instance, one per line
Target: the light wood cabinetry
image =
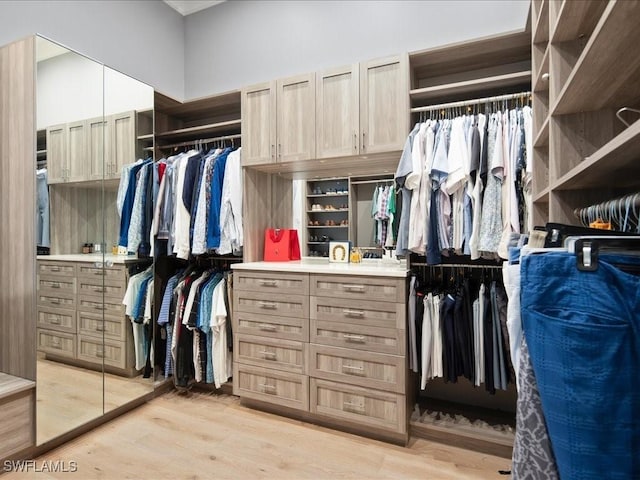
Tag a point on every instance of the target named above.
point(17, 406)
point(121, 139)
point(81, 318)
point(585, 71)
point(57, 153)
point(98, 147)
point(349, 370)
point(279, 121)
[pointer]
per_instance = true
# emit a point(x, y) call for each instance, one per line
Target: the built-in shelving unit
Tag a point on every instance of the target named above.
point(327, 214)
point(583, 154)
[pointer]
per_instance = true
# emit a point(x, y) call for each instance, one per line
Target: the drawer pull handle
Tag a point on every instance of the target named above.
point(352, 370)
point(55, 301)
point(268, 283)
point(267, 388)
point(268, 355)
point(354, 407)
point(100, 328)
point(270, 305)
point(267, 327)
point(354, 338)
point(54, 320)
point(100, 354)
point(356, 288)
point(55, 269)
point(100, 307)
point(100, 272)
point(55, 285)
point(353, 313)
point(100, 290)
point(56, 346)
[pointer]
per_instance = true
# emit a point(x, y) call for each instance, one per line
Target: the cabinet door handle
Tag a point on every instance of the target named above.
point(351, 370)
point(267, 327)
point(268, 283)
point(280, 150)
point(355, 141)
point(268, 355)
point(273, 151)
point(354, 407)
point(354, 338)
point(358, 288)
point(270, 305)
point(353, 313)
point(268, 388)
point(364, 145)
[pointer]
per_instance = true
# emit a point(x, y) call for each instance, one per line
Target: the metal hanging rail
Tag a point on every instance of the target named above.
point(199, 141)
point(475, 101)
point(623, 211)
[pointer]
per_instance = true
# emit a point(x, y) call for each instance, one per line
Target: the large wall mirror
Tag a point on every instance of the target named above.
point(93, 351)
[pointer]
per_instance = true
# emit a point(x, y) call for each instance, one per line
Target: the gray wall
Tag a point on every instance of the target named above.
point(142, 38)
point(241, 42)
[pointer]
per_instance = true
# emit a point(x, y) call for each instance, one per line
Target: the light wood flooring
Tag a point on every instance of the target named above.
point(203, 435)
point(69, 396)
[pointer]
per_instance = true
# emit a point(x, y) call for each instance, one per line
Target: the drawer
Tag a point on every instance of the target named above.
point(269, 304)
point(359, 405)
point(57, 300)
point(56, 268)
point(287, 328)
point(360, 337)
point(358, 312)
point(95, 270)
point(57, 319)
point(375, 370)
point(58, 343)
point(270, 352)
point(91, 349)
point(99, 286)
point(109, 306)
point(54, 285)
point(93, 324)
point(358, 287)
point(17, 422)
point(273, 386)
point(274, 283)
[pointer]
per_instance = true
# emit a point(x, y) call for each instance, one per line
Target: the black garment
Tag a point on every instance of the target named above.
point(501, 300)
point(475, 149)
point(449, 339)
point(484, 155)
point(434, 256)
point(144, 249)
point(487, 323)
point(191, 172)
point(204, 353)
point(184, 371)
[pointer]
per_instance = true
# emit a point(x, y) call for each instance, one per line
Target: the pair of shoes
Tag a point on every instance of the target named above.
point(316, 207)
point(344, 223)
point(314, 223)
point(324, 238)
point(329, 223)
point(313, 238)
point(317, 191)
point(344, 206)
point(329, 207)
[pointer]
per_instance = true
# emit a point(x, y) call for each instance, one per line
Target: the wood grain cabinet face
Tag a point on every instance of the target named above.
point(258, 104)
point(98, 147)
point(271, 353)
point(273, 386)
point(121, 143)
point(296, 100)
point(338, 112)
point(384, 104)
point(77, 167)
point(56, 153)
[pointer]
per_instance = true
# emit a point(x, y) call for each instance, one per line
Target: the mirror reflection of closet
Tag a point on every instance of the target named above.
point(366, 230)
point(87, 120)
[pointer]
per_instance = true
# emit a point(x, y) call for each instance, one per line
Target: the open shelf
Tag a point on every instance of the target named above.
point(601, 77)
point(202, 130)
point(541, 31)
point(542, 84)
point(615, 163)
point(329, 211)
point(327, 226)
point(542, 138)
point(576, 18)
point(470, 86)
point(543, 196)
point(148, 136)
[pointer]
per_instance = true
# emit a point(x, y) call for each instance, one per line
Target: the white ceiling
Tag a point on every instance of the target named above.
point(187, 7)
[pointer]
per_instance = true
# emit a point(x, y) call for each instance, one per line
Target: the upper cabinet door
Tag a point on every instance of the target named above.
point(56, 153)
point(258, 105)
point(296, 118)
point(384, 104)
point(77, 169)
point(97, 141)
point(122, 130)
point(337, 112)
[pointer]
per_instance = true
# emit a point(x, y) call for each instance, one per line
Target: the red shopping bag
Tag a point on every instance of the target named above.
point(281, 245)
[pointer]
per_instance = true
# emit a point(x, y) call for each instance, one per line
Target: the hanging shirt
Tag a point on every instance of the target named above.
point(405, 167)
point(213, 221)
point(231, 230)
point(200, 223)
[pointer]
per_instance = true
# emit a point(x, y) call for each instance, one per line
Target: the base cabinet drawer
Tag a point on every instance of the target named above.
point(57, 319)
point(97, 270)
point(93, 324)
point(91, 349)
point(57, 343)
point(64, 269)
point(374, 370)
point(57, 300)
point(275, 326)
point(271, 304)
point(360, 405)
point(55, 284)
point(98, 286)
point(358, 312)
point(357, 287)
point(273, 283)
point(109, 306)
point(271, 353)
point(372, 339)
point(273, 386)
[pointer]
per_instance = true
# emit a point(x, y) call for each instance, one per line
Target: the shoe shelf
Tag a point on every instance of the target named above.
point(327, 208)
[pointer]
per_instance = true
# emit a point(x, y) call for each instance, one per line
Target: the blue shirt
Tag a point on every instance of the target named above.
point(213, 222)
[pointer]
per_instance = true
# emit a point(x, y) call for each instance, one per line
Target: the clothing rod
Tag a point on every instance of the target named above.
point(363, 182)
point(200, 140)
point(455, 265)
point(610, 208)
point(475, 101)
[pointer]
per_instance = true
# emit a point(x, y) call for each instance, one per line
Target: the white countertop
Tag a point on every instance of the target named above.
point(93, 258)
point(318, 265)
